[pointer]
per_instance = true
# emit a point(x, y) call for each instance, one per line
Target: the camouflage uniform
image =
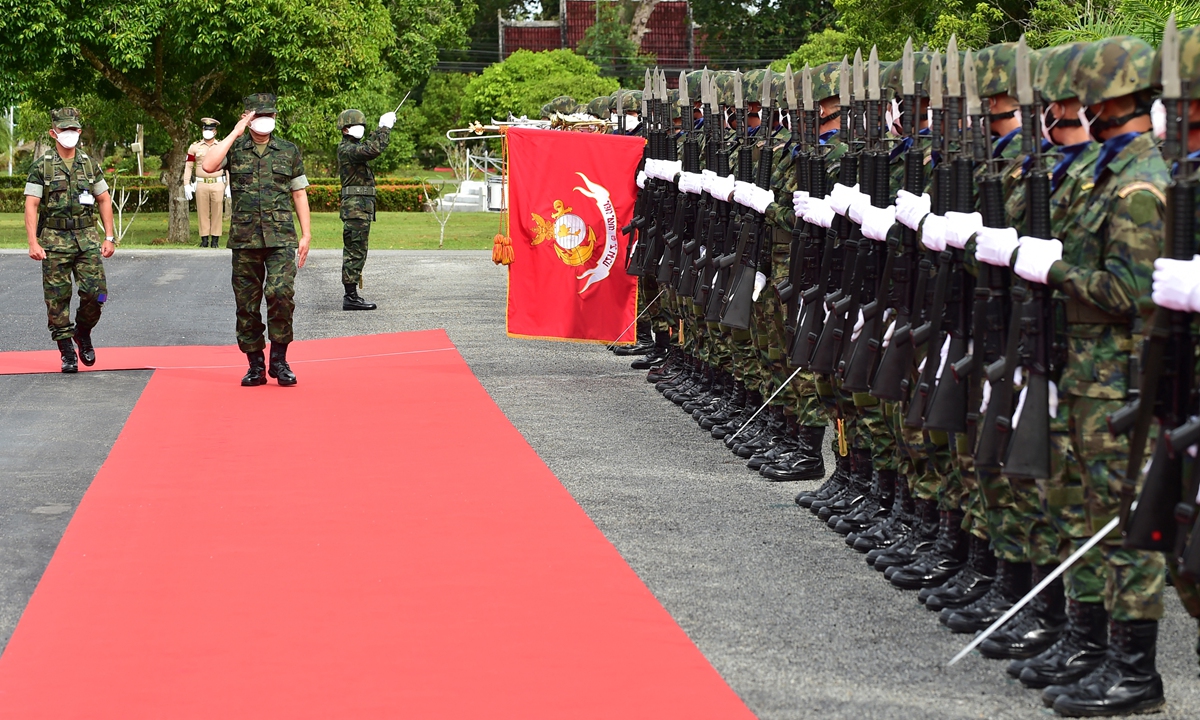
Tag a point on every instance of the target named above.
point(262, 234)
point(67, 232)
point(357, 210)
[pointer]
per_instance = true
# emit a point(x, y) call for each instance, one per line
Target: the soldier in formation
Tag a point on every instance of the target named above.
point(961, 263)
point(63, 192)
point(209, 190)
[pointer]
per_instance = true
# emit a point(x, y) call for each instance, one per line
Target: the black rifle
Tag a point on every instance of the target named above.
point(730, 222)
point(788, 291)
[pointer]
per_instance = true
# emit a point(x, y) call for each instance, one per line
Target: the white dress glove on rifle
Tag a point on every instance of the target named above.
point(799, 202)
point(911, 209)
point(641, 179)
point(1035, 257)
point(387, 120)
point(761, 199)
point(961, 226)
point(722, 188)
point(650, 167)
point(1177, 284)
point(818, 212)
point(995, 246)
point(933, 232)
point(855, 209)
point(841, 197)
point(706, 178)
point(189, 191)
point(760, 282)
point(858, 326)
point(741, 192)
point(692, 183)
point(876, 222)
point(670, 169)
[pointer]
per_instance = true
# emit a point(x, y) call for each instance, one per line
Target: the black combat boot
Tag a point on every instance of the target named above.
point(919, 540)
point(656, 357)
point(721, 415)
point(689, 373)
point(214, 241)
point(1036, 627)
point(949, 555)
point(279, 367)
point(83, 338)
point(69, 362)
point(807, 462)
point(1011, 584)
point(856, 493)
point(899, 520)
point(968, 584)
point(776, 432)
point(707, 390)
point(787, 443)
point(872, 512)
point(722, 393)
point(753, 401)
point(351, 300)
point(1126, 683)
point(644, 344)
point(760, 435)
point(256, 375)
point(1080, 650)
point(203, 241)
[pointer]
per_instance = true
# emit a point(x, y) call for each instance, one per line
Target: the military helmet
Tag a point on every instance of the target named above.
point(752, 81)
point(723, 79)
point(996, 70)
point(1052, 74)
point(779, 89)
point(351, 117)
point(631, 99)
point(261, 103)
point(825, 80)
point(1189, 61)
point(893, 78)
point(673, 102)
point(67, 118)
point(1111, 68)
point(563, 105)
point(598, 107)
point(693, 84)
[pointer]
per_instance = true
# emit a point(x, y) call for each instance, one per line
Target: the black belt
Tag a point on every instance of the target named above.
point(363, 190)
point(73, 223)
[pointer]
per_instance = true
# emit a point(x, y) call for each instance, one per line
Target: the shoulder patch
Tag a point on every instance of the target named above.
point(1142, 185)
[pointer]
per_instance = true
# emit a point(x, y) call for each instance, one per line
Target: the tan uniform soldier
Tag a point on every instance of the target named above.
point(209, 189)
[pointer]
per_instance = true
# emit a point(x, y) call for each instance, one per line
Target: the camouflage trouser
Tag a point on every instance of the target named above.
point(1083, 495)
point(269, 272)
point(873, 431)
point(744, 358)
point(648, 296)
point(720, 350)
point(87, 269)
point(355, 234)
point(762, 322)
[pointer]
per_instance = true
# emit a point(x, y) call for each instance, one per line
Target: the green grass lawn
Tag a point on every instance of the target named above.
point(392, 231)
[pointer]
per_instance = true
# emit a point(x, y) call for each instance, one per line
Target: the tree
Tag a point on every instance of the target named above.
point(613, 45)
point(440, 110)
point(175, 60)
point(527, 80)
point(752, 33)
point(1055, 22)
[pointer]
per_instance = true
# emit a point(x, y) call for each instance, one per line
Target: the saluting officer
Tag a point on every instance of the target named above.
point(266, 177)
point(358, 196)
point(61, 194)
point(209, 189)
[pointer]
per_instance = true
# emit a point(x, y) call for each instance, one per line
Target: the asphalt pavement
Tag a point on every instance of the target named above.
point(795, 622)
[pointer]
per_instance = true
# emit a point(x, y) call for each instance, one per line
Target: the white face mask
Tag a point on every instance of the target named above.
point(1158, 119)
point(356, 131)
point(209, 134)
point(893, 114)
point(1049, 120)
point(68, 138)
point(263, 125)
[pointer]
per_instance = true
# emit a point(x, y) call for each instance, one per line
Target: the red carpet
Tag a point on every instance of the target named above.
point(377, 542)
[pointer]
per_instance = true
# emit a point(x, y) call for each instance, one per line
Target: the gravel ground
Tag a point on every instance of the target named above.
point(795, 622)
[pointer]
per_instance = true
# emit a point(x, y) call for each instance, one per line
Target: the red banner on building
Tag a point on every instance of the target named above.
point(570, 193)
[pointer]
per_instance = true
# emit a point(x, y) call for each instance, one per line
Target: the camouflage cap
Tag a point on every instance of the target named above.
point(598, 107)
point(996, 70)
point(893, 77)
point(724, 82)
point(261, 103)
point(1189, 61)
point(350, 117)
point(64, 118)
point(1054, 70)
point(208, 122)
point(825, 81)
point(885, 68)
point(693, 83)
point(631, 99)
point(752, 81)
point(673, 102)
point(563, 105)
point(1111, 68)
point(778, 91)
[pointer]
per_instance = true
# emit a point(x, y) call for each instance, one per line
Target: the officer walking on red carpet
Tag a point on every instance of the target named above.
point(61, 194)
point(267, 178)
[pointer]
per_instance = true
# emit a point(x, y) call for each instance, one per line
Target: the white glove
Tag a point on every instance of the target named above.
point(189, 191)
point(799, 201)
point(818, 212)
point(1177, 284)
point(1035, 257)
point(911, 209)
point(944, 355)
point(387, 120)
point(641, 179)
point(760, 282)
point(1158, 119)
point(841, 197)
point(858, 326)
point(669, 169)
point(228, 191)
point(650, 167)
point(761, 199)
point(961, 227)
point(876, 222)
point(706, 178)
point(855, 210)
point(995, 246)
point(722, 188)
point(741, 192)
point(933, 232)
point(691, 183)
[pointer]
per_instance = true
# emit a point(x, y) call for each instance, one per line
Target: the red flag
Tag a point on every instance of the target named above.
point(570, 194)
